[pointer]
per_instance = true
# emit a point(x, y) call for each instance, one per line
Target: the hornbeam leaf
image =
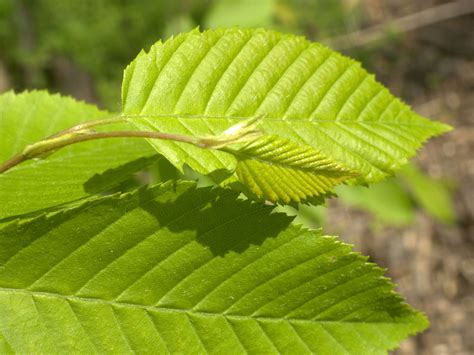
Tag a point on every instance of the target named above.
point(31, 116)
point(277, 170)
point(175, 269)
point(202, 83)
point(5, 347)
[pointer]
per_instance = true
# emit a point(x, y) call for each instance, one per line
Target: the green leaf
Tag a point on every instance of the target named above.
point(5, 347)
point(245, 13)
point(108, 180)
point(29, 117)
point(203, 83)
point(179, 269)
point(432, 195)
point(387, 201)
point(278, 170)
point(308, 216)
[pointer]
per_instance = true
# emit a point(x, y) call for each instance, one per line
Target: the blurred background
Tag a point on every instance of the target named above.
point(419, 224)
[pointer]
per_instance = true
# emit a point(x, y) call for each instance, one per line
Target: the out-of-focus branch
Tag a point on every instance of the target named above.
point(403, 24)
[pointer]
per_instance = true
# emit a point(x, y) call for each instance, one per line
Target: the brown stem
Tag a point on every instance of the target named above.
point(403, 24)
point(10, 163)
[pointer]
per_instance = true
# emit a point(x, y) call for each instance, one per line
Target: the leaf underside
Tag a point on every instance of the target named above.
point(31, 116)
point(278, 170)
point(202, 83)
point(179, 269)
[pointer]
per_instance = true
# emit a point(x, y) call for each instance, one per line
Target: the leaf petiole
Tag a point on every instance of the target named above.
point(57, 141)
point(82, 132)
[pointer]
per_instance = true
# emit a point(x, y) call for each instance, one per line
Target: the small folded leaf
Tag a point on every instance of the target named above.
point(277, 170)
point(175, 269)
point(202, 83)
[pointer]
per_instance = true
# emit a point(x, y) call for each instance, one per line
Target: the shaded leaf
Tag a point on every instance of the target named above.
point(31, 116)
point(113, 177)
point(179, 269)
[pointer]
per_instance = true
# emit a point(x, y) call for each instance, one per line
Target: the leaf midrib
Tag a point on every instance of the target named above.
point(285, 119)
point(313, 171)
point(9, 290)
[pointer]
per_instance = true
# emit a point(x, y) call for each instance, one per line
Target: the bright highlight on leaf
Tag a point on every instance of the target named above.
point(203, 83)
point(184, 270)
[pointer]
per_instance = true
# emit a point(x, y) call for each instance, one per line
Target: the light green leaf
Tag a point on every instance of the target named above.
point(432, 195)
point(393, 202)
point(185, 270)
point(203, 83)
point(5, 347)
point(308, 216)
point(244, 13)
point(29, 117)
point(278, 170)
point(387, 201)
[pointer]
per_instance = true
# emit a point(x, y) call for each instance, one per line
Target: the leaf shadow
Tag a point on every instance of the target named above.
point(222, 221)
point(111, 179)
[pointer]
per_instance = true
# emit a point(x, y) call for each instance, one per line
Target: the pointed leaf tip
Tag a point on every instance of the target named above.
point(202, 83)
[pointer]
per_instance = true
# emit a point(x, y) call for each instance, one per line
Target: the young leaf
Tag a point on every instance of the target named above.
point(278, 170)
point(202, 83)
point(179, 269)
point(29, 117)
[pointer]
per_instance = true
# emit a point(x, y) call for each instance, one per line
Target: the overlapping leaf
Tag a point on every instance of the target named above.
point(202, 83)
point(179, 269)
point(278, 170)
point(29, 117)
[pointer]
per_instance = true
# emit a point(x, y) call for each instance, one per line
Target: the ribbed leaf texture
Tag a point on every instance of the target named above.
point(31, 116)
point(175, 269)
point(276, 169)
point(202, 83)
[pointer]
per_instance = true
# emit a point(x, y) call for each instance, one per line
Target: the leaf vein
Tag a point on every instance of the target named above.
point(304, 82)
point(252, 73)
point(331, 86)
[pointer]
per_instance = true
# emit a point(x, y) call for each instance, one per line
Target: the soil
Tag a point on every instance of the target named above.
point(432, 69)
